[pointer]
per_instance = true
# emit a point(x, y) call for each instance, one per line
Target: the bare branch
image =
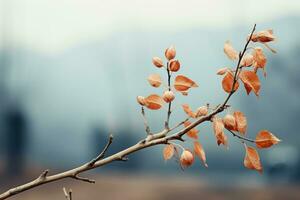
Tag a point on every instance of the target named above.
point(170, 103)
point(241, 137)
point(68, 195)
point(147, 128)
point(102, 154)
point(83, 179)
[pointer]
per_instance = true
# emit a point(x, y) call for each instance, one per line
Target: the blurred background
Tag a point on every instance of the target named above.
point(70, 71)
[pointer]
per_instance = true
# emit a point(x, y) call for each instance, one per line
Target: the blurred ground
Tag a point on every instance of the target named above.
point(148, 187)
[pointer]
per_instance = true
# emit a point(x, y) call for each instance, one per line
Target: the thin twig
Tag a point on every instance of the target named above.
point(68, 195)
point(102, 154)
point(83, 179)
point(179, 124)
point(147, 128)
point(170, 103)
point(241, 137)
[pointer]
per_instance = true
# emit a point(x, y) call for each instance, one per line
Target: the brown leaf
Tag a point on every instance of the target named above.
point(141, 100)
point(250, 80)
point(157, 62)
point(218, 128)
point(227, 82)
point(174, 65)
point(229, 122)
point(193, 133)
point(252, 160)
point(265, 139)
point(154, 102)
point(222, 71)
point(168, 151)
point(155, 80)
point(186, 159)
point(241, 122)
point(188, 110)
point(168, 96)
point(259, 59)
point(201, 111)
point(183, 83)
point(263, 36)
point(247, 60)
point(199, 151)
point(170, 53)
point(230, 51)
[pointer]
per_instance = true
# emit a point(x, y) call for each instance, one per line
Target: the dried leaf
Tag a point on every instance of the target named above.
point(168, 151)
point(154, 102)
point(174, 65)
point(265, 139)
point(193, 133)
point(252, 160)
point(263, 36)
point(170, 53)
point(218, 128)
point(186, 159)
point(157, 62)
point(201, 111)
point(229, 122)
point(168, 96)
point(188, 110)
point(155, 80)
point(247, 60)
point(250, 80)
point(222, 71)
point(199, 151)
point(259, 59)
point(183, 83)
point(230, 51)
point(227, 82)
point(141, 100)
point(241, 122)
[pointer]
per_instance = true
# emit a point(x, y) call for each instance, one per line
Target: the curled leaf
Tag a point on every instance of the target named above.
point(241, 122)
point(174, 65)
point(168, 151)
point(247, 60)
point(141, 100)
point(218, 128)
point(183, 83)
point(252, 160)
point(155, 80)
point(229, 122)
point(265, 139)
point(193, 133)
point(157, 62)
point(263, 36)
point(187, 109)
point(227, 83)
point(259, 58)
point(230, 51)
point(251, 81)
point(222, 71)
point(168, 96)
point(154, 102)
point(170, 53)
point(199, 151)
point(186, 159)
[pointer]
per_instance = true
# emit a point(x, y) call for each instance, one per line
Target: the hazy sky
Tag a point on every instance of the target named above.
point(53, 25)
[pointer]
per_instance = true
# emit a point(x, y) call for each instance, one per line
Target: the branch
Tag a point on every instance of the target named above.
point(151, 140)
point(240, 137)
point(102, 154)
point(147, 128)
point(170, 103)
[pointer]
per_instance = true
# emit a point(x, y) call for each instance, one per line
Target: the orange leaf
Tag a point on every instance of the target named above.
point(251, 80)
point(263, 36)
point(218, 127)
point(188, 110)
point(154, 102)
point(227, 83)
point(168, 151)
point(186, 158)
point(174, 65)
point(265, 139)
point(247, 60)
point(229, 122)
point(241, 122)
point(259, 59)
point(230, 51)
point(170, 53)
point(183, 83)
point(157, 62)
point(193, 133)
point(154, 80)
point(222, 71)
point(252, 160)
point(199, 151)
